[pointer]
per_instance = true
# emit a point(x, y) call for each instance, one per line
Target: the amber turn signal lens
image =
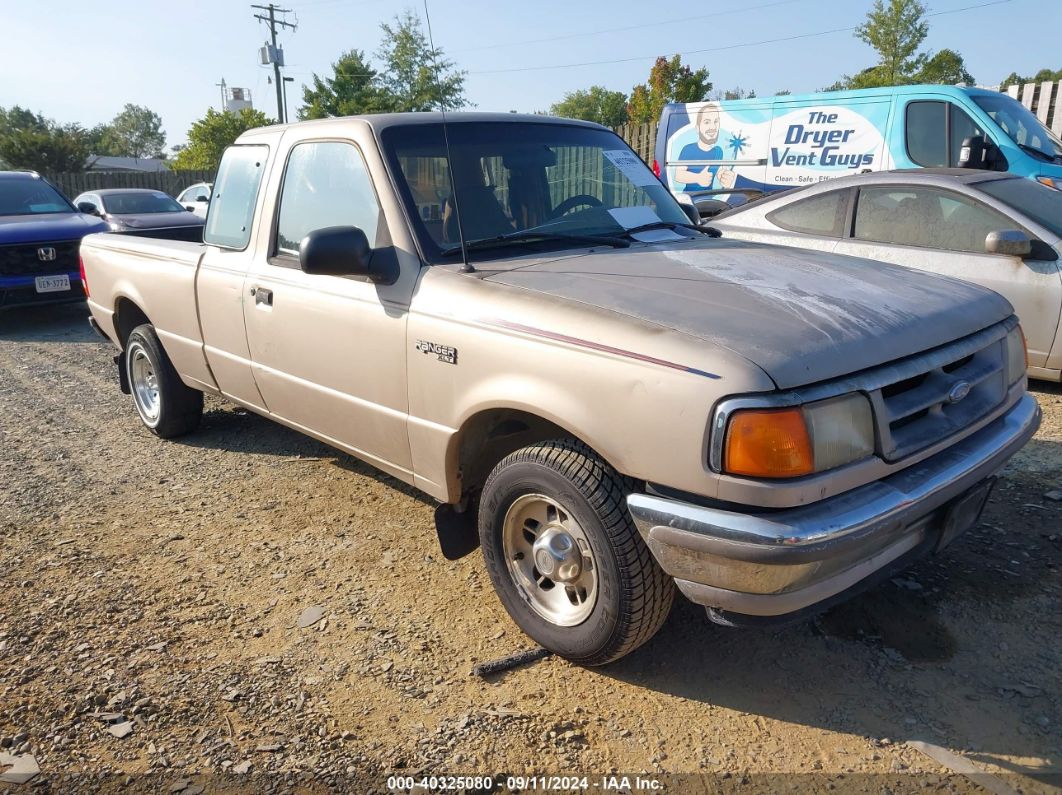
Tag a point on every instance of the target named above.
point(769, 443)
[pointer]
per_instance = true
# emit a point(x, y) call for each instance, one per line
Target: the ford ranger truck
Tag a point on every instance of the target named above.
point(512, 314)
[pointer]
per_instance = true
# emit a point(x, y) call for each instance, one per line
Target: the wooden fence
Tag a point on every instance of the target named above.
point(172, 182)
point(641, 138)
point(1043, 99)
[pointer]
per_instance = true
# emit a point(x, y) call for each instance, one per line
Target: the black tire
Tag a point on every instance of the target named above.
point(634, 595)
point(180, 408)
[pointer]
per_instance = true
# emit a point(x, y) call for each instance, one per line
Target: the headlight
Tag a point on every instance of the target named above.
point(1017, 355)
point(801, 440)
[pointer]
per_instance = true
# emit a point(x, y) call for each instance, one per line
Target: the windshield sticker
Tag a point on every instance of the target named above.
point(631, 217)
point(631, 166)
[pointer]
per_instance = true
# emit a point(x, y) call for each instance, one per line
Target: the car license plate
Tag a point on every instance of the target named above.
point(52, 284)
point(964, 512)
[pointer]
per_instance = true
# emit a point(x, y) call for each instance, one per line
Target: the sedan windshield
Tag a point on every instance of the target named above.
point(1020, 124)
point(140, 203)
point(1039, 203)
point(524, 184)
point(30, 197)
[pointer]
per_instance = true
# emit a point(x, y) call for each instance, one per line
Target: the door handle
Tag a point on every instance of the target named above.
point(262, 296)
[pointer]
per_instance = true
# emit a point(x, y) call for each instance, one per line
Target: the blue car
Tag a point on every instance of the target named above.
point(40, 232)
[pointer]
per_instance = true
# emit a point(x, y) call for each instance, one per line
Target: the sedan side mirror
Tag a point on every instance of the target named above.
point(340, 251)
point(88, 208)
point(1009, 242)
point(202, 198)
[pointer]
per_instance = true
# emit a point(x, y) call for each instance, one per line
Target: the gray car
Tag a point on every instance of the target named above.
point(997, 230)
point(141, 211)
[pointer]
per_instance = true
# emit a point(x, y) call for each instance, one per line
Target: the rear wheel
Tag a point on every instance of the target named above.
point(166, 406)
point(564, 556)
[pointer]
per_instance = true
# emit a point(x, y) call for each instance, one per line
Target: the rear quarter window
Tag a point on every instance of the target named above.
point(235, 195)
point(817, 215)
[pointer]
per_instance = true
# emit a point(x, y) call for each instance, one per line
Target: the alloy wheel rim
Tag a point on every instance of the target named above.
point(549, 559)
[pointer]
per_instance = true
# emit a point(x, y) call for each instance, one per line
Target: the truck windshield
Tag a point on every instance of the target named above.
point(1018, 122)
point(138, 203)
point(31, 197)
point(536, 184)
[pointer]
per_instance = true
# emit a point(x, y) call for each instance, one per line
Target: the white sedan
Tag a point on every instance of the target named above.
point(196, 198)
point(998, 230)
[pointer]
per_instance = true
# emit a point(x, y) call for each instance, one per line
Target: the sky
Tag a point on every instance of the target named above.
point(77, 61)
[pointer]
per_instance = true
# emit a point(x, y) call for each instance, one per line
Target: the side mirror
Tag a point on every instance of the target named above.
point(340, 251)
point(88, 208)
point(972, 152)
point(1009, 242)
point(202, 198)
point(709, 208)
point(691, 212)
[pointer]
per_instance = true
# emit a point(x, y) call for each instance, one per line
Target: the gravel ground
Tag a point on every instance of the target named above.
point(247, 610)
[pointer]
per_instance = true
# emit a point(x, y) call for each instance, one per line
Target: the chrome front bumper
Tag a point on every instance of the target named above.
point(782, 562)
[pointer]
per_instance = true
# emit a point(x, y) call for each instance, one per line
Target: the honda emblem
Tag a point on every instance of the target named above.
point(46, 254)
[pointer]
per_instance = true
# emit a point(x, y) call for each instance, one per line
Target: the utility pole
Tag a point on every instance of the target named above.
point(286, 81)
point(272, 21)
point(223, 97)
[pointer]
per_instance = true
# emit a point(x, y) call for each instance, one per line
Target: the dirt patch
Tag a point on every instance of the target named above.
point(164, 582)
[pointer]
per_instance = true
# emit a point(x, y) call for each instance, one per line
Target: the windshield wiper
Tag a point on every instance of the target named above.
point(711, 231)
point(522, 235)
point(1032, 150)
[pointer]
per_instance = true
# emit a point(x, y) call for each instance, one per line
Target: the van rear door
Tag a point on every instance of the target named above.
point(816, 139)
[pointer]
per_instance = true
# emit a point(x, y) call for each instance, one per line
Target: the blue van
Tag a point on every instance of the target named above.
point(736, 148)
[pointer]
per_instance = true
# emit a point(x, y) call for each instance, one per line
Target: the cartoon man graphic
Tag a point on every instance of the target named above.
point(705, 177)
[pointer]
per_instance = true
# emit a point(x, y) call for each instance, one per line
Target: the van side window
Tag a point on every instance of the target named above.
point(927, 141)
point(325, 184)
point(819, 215)
point(926, 217)
point(962, 126)
point(235, 194)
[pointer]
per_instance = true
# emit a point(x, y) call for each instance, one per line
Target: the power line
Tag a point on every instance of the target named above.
point(273, 22)
point(625, 28)
point(715, 49)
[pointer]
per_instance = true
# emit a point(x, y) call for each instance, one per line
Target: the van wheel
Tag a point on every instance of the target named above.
point(565, 557)
point(165, 405)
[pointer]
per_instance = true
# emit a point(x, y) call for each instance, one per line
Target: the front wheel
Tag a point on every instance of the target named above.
point(165, 405)
point(564, 556)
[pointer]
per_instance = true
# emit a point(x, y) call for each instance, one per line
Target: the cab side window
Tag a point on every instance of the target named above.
point(325, 184)
point(820, 215)
point(927, 140)
point(926, 217)
point(235, 195)
point(961, 126)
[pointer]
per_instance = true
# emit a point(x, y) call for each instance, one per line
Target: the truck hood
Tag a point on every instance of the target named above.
point(801, 316)
point(47, 227)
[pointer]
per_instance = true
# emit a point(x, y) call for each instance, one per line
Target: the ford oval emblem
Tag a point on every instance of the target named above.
point(958, 391)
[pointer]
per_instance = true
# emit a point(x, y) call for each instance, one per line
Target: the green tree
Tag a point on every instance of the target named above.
point(29, 140)
point(944, 68)
point(136, 132)
point(669, 81)
point(208, 137)
point(1044, 75)
point(352, 89)
point(896, 30)
point(596, 103)
point(413, 78)
point(735, 93)
point(100, 140)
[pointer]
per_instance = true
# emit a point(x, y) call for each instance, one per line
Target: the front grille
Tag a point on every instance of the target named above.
point(919, 408)
point(24, 259)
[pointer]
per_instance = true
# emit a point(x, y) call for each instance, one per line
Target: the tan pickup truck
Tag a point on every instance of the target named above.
point(514, 315)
